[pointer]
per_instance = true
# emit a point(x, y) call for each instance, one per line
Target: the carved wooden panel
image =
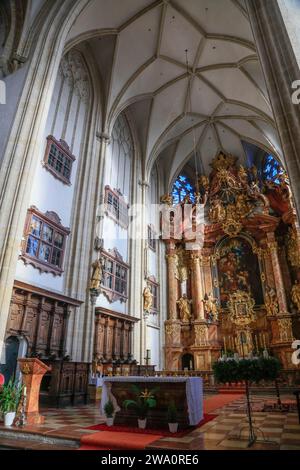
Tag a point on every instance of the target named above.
point(41, 319)
point(113, 333)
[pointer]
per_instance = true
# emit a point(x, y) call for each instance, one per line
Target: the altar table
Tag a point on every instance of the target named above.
point(186, 392)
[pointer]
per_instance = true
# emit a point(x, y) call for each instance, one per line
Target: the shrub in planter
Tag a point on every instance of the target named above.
point(109, 413)
point(172, 417)
point(10, 396)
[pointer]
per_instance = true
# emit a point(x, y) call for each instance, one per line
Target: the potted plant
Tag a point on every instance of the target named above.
point(172, 417)
point(10, 396)
point(109, 413)
point(145, 400)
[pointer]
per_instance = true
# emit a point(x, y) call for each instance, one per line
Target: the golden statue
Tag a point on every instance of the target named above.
point(295, 295)
point(203, 182)
point(148, 299)
point(217, 212)
point(97, 272)
point(241, 205)
point(185, 308)
point(211, 306)
point(271, 302)
point(243, 176)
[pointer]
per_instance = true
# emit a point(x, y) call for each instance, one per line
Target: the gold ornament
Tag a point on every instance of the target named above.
point(293, 251)
point(285, 330)
point(295, 295)
point(271, 302)
point(240, 306)
point(223, 161)
point(232, 227)
point(201, 335)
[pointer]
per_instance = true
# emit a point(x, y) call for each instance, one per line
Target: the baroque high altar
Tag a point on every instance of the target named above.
point(237, 290)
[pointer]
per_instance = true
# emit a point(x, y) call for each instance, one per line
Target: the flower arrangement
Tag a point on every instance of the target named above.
point(145, 400)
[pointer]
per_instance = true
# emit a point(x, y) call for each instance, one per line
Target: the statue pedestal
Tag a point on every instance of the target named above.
point(33, 371)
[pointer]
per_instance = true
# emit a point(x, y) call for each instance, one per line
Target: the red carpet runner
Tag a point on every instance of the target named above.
point(126, 438)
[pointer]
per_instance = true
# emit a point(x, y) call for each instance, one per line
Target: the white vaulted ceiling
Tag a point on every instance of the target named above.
point(139, 46)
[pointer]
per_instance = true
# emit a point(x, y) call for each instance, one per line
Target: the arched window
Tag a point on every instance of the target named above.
point(271, 169)
point(181, 188)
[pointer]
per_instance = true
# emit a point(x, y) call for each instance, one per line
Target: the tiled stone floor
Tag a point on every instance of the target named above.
point(274, 430)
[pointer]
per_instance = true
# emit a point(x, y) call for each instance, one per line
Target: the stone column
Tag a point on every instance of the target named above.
point(198, 306)
point(280, 69)
point(172, 286)
point(279, 284)
point(22, 152)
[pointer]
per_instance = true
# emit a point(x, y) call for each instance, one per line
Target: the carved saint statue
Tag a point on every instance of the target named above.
point(295, 295)
point(184, 305)
point(97, 272)
point(211, 306)
point(148, 299)
point(271, 302)
point(217, 212)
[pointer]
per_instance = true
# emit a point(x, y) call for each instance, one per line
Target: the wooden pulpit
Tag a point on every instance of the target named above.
point(33, 371)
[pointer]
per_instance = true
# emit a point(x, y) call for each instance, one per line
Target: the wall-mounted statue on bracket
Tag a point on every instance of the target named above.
point(148, 299)
point(97, 272)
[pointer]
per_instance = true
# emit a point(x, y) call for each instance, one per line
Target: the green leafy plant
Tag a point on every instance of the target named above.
point(145, 400)
point(10, 396)
point(109, 409)
point(172, 413)
point(253, 370)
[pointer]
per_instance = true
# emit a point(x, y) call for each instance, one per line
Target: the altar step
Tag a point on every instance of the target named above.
point(232, 389)
point(22, 439)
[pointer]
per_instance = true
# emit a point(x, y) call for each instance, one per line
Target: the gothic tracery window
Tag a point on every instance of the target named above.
point(271, 169)
point(182, 188)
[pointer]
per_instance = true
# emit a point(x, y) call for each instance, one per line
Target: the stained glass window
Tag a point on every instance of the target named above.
point(181, 188)
point(271, 169)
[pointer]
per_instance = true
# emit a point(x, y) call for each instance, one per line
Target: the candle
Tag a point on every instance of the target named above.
point(255, 341)
point(148, 354)
point(25, 392)
point(264, 341)
point(225, 344)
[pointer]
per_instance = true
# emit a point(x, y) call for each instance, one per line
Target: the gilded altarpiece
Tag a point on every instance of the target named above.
point(236, 289)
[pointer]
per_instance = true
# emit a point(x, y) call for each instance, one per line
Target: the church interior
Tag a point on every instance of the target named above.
point(149, 214)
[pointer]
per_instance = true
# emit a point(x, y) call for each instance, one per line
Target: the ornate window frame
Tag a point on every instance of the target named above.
point(63, 148)
point(152, 237)
point(154, 287)
point(52, 221)
point(113, 264)
point(116, 207)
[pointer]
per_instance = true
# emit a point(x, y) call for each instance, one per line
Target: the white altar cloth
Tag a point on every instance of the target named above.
point(193, 387)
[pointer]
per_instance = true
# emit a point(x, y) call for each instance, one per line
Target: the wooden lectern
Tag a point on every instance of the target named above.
point(33, 371)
